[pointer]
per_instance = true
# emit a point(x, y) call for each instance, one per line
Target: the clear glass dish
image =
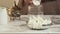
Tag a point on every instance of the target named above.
point(39, 22)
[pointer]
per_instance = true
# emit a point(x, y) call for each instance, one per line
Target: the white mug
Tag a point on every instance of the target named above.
point(3, 16)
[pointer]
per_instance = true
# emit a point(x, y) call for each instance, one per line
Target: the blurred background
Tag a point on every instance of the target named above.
point(48, 7)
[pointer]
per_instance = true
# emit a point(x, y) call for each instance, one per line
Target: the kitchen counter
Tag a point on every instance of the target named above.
point(19, 26)
point(25, 29)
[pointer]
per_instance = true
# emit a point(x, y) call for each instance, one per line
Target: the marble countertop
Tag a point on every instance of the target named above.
point(18, 26)
point(25, 29)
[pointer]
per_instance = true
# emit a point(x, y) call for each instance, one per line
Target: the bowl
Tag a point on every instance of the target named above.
point(39, 23)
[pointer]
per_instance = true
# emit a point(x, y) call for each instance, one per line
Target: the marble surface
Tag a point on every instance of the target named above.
point(19, 26)
point(25, 29)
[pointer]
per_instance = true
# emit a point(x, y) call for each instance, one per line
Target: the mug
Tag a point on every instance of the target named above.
point(3, 16)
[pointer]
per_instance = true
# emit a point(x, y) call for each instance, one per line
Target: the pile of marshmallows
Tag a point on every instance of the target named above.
point(37, 22)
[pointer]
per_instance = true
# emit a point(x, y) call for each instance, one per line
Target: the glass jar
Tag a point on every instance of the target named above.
point(34, 9)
